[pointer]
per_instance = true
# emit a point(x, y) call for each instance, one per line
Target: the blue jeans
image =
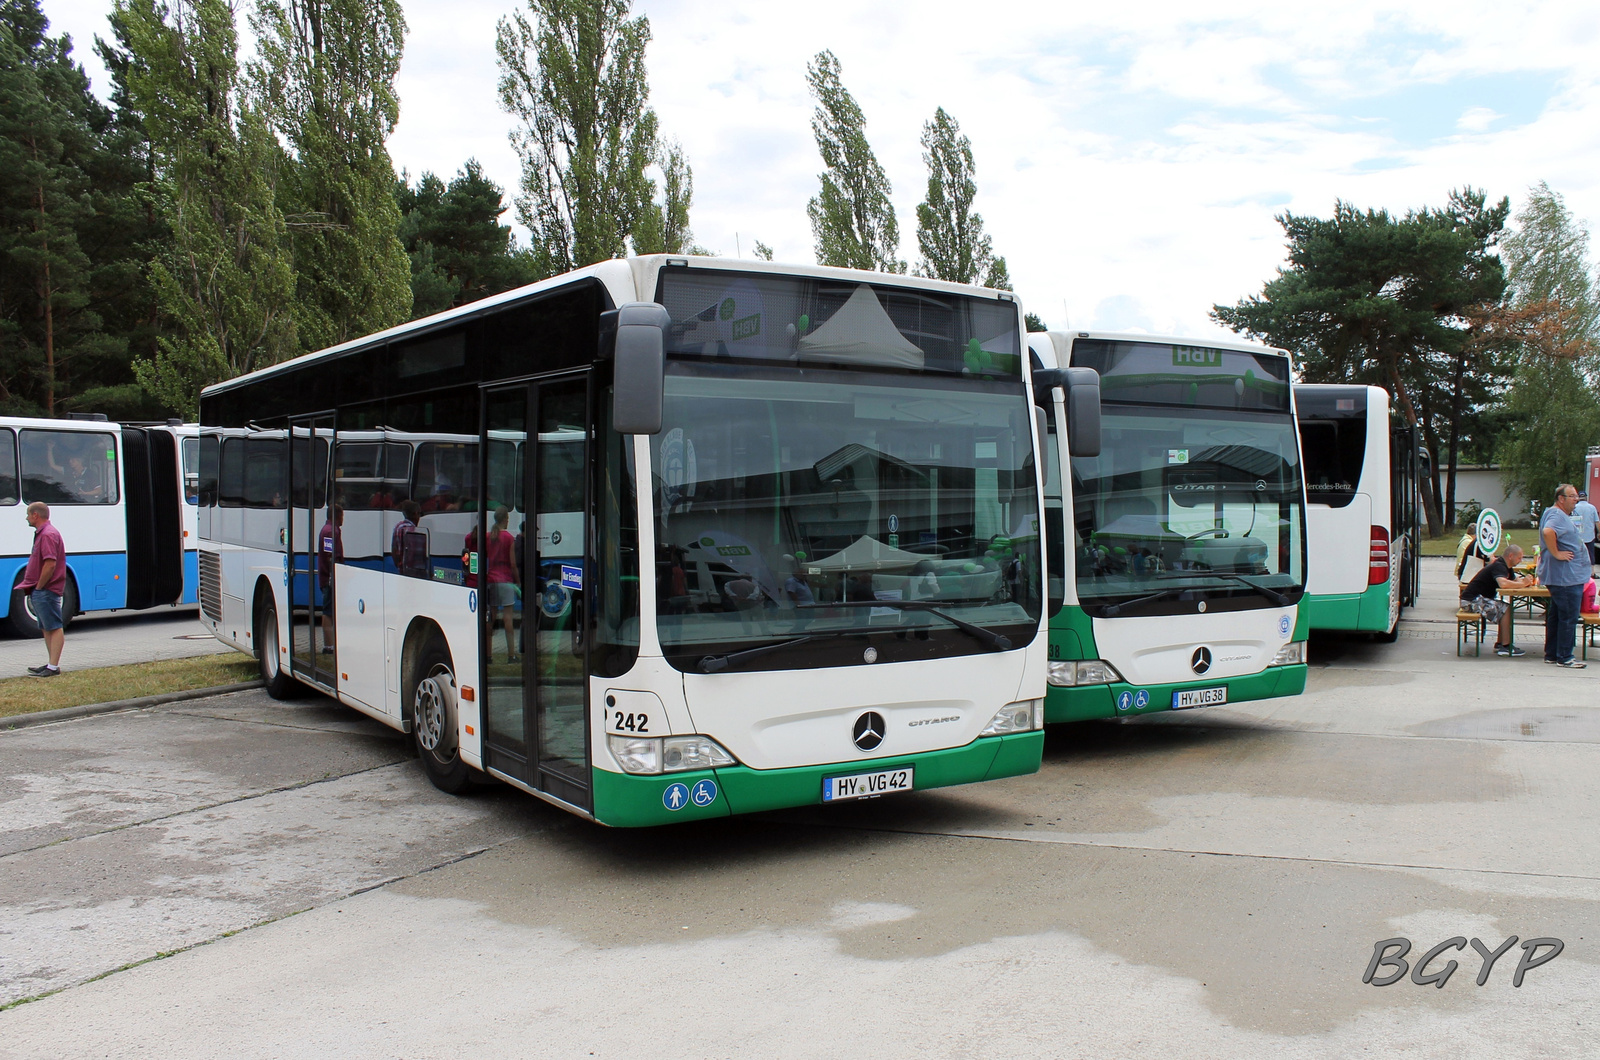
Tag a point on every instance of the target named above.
point(1561, 622)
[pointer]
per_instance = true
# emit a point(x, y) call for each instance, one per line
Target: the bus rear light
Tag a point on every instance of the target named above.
point(1378, 561)
point(671, 754)
point(1092, 672)
point(1023, 716)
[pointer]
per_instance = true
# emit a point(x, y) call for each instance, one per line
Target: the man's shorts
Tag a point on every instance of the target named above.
point(1488, 606)
point(46, 608)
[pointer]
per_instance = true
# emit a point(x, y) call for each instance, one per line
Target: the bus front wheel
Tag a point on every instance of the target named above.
point(433, 720)
point(269, 653)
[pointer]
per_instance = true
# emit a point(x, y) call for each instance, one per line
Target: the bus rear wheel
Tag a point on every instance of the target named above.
point(433, 720)
point(269, 653)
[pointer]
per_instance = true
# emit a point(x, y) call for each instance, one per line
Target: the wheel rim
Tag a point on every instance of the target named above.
point(430, 709)
point(269, 643)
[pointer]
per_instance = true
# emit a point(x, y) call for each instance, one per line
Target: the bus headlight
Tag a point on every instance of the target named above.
point(671, 754)
point(635, 755)
point(692, 752)
point(1291, 654)
point(1023, 716)
point(1092, 672)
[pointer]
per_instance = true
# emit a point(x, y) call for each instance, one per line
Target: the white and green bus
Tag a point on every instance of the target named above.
point(1177, 548)
point(1363, 510)
point(660, 539)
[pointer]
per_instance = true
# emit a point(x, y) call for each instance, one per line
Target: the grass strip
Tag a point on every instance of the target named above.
point(1446, 544)
point(74, 688)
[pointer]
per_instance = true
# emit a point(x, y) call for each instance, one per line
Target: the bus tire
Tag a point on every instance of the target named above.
point(69, 602)
point(1389, 637)
point(433, 720)
point(23, 624)
point(269, 653)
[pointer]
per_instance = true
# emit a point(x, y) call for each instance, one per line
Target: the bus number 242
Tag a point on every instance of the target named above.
point(631, 722)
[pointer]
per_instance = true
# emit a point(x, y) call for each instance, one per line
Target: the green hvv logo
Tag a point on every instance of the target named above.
point(733, 550)
point(1195, 357)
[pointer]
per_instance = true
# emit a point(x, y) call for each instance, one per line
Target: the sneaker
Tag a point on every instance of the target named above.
point(48, 671)
point(37, 670)
point(1573, 664)
point(1510, 651)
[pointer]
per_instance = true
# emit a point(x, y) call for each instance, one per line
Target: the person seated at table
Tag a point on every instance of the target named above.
point(1468, 549)
point(1481, 597)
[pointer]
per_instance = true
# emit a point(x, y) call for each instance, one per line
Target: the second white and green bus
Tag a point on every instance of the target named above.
point(1178, 547)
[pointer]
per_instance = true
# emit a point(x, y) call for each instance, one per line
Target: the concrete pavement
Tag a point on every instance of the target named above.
point(1208, 883)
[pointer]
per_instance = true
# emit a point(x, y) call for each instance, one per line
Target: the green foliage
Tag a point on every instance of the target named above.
point(1370, 298)
point(71, 288)
point(575, 79)
point(460, 252)
point(1034, 322)
point(762, 251)
point(1552, 407)
point(954, 246)
point(224, 282)
point(325, 78)
point(852, 219)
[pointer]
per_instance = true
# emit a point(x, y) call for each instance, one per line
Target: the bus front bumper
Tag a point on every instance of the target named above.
point(1102, 701)
point(626, 801)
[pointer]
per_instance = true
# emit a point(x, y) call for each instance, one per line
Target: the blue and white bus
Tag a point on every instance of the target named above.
point(115, 494)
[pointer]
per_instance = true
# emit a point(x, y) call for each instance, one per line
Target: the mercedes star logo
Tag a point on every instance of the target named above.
point(868, 732)
point(1200, 661)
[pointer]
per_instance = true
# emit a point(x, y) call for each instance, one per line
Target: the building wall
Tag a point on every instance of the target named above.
point(1482, 483)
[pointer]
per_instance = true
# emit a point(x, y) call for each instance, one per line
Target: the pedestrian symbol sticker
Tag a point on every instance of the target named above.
point(704, 793)
point(675, 796)
point(1141, 700)
point(472, 601)
point(1124, 700)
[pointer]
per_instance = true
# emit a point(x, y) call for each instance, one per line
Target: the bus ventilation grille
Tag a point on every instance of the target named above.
point(211, 585)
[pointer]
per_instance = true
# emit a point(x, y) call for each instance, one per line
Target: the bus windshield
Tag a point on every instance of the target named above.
point(780, 490)
point(1197, 489)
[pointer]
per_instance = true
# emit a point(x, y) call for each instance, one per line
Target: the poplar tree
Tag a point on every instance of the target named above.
point(225, 282)
point(325, 79)
point(574, 77)
point(951, 237)
point(852, 218)
point(1553, 322)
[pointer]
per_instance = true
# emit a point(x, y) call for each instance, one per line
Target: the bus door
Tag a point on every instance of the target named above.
point(311, 582)
point(534, 524)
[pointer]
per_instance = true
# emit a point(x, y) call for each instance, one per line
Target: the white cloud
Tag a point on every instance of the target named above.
point(1131, 158)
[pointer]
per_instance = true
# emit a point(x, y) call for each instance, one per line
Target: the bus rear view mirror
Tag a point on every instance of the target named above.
point(1083, 411)
point(639, 352)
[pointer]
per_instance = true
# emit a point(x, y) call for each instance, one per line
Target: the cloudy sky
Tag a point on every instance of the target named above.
point(1131, 157)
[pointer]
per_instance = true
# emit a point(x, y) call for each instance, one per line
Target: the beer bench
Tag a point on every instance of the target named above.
point(1468, 622)
point(1590, 624)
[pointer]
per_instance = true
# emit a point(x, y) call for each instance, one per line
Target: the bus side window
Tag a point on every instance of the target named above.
point(8, 468)
point(68, 467)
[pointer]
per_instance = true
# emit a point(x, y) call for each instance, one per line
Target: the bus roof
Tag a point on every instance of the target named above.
point(625, 280)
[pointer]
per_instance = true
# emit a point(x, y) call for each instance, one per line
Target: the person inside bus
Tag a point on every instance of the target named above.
point(503, 580)
point(82, 479)
point(330, 552)
point(1482, 597)
point(400, 541)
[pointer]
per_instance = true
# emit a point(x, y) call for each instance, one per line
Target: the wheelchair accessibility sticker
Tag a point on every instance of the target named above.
point(1141, 700)
point(704, 793)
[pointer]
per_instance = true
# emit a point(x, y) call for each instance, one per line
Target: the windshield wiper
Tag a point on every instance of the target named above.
point(1112, 610)
point(711, 664)
point(989, 637)
point(1277, 598)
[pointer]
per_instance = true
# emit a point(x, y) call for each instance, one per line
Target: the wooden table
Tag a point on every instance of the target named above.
point(1529, 597)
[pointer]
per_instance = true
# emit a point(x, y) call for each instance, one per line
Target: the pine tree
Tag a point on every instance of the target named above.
point(225, 282)
point(459, 250)
point(852, 218)
point(575, 79)
point(325, 79)
point(951, 237)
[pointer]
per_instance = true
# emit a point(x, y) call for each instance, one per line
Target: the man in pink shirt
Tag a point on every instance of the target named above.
point(45, 581)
